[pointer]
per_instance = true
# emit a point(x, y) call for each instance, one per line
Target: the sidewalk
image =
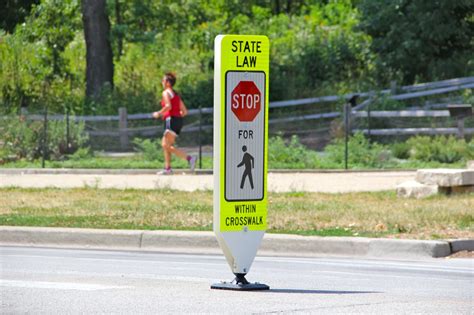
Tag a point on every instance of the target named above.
point(278, 181)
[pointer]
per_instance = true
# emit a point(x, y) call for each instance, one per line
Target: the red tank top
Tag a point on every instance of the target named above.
point(175, 106)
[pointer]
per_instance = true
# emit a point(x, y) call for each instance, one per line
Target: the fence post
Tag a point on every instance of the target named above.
point(200, 137)
point(347, 113)
point(368, 121)
point(68, 141)
point(460, 127)
point(124, 142)
point(23, 111)
point(45, 137)
point(393, 87)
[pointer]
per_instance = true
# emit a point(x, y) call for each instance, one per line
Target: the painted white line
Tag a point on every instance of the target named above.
point(380, 265)
point(57, 285)
point(88, 274)
point(122, 260)
point(369, 275)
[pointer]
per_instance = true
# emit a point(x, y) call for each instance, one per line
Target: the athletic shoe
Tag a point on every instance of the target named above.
point(165, 172)
point(192, 163)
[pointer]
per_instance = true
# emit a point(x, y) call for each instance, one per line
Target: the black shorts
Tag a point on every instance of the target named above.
point(174, 124)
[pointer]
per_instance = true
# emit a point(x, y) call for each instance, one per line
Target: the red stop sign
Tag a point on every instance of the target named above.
point(245, 101)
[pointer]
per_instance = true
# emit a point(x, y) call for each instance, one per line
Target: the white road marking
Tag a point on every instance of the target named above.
point(369, 264)
point(121, 260)
point(57, 285)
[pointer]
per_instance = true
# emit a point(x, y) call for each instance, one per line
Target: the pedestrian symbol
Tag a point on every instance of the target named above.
point(247, 161)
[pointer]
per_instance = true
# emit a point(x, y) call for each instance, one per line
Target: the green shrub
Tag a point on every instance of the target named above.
point(468, 151)
point(19, 139)
point(23, 139)
point(401, 150)
point(57, 138)
point(290, 154)
point(383, 102)
point(362, 153)
point(81, 154)
point(440, 149)
point(150, 149)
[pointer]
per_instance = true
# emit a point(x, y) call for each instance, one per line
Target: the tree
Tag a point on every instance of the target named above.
point(35, 71)
point(53, 22)
point(99, 57)
point(421, 39)
point(13, 12)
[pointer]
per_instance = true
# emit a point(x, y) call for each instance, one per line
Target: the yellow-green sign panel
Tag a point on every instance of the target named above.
point(244, 127)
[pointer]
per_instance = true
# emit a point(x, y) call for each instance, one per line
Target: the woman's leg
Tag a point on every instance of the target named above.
point(168, 143)
point(166, 152)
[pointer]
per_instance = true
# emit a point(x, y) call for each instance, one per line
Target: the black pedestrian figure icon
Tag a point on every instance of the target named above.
point(247, 161)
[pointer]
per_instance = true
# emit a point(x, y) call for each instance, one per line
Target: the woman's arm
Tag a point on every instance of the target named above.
point(182, 108)
point(166, 108)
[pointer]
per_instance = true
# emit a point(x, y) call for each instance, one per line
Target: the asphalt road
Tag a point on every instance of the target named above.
point(53, 281)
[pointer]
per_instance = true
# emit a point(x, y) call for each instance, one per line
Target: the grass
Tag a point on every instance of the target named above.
point(100, 162)
point(380, 214)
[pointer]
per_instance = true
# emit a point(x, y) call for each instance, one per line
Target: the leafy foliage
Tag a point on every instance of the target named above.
point(362, 153)
point(35, 63)
point(317, 47)
point(383, 102)
point(290, 154)
point(401, 150)
point(43, 62)
point(150, 149)
point(13, 12)
point(440, 149)
point(52, 23)
point(22, 139)
point(421, 40)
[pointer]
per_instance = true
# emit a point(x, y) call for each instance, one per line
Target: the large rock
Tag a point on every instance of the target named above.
point(462, 244)
point(470, 165)
point(446, 177)
point(456, 190)
point(414, 189)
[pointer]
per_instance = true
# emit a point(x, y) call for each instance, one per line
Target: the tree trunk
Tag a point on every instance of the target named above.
point(118, 17)
point(277, 7)
point(99, 57)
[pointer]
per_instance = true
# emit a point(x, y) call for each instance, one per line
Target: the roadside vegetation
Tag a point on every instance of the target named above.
point(23, 150)
point(379, 214)
point(332, 46)
point(317, 48)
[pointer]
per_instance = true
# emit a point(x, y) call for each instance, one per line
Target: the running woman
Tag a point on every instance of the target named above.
point(172, 112)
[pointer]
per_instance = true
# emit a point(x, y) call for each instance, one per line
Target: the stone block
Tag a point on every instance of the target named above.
point(456, 190)
point(446, 177)
point(414, 189)
point(462, 244)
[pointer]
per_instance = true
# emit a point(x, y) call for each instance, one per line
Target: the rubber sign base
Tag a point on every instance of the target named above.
point(240, 284)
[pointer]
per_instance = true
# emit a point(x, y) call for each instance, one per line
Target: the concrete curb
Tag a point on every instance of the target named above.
point(205, 243)
point(459, 245)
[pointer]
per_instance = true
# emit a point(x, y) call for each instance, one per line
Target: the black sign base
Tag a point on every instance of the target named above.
point(240, 284)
